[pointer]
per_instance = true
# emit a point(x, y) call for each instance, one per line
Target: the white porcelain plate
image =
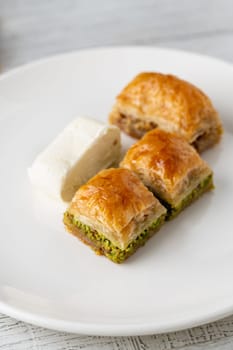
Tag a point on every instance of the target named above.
point(181, 278)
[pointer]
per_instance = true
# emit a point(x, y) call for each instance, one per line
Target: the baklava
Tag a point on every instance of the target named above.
point(170, 167)
point(114, 213)
point(154, 100)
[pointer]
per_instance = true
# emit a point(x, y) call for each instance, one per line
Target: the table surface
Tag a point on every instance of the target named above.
point(33, 29)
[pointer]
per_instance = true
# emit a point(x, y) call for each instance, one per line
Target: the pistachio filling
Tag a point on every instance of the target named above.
point(203, 186)
point(104, 246)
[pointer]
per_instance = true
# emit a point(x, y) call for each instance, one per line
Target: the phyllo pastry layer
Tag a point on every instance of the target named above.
point(169, 167)
point(153, 100)
point(114, 213)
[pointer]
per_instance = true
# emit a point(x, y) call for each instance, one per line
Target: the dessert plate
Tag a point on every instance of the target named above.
point(181, 278)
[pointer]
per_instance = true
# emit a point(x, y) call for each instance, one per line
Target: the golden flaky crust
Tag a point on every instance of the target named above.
point(166, 163)
point(114, 198)
point(169, 103)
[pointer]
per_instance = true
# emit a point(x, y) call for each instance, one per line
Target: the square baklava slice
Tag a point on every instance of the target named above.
point(154, 100)
point(114, 213)
point(170, 168)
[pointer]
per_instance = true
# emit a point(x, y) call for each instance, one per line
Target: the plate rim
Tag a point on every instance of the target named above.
point(61, 55)
point(119, 330)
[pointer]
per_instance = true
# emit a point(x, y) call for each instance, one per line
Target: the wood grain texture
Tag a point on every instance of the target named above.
point(19, 335)
point(33, 29)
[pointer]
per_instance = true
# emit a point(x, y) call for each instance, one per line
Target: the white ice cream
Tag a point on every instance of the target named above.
point(81, 150)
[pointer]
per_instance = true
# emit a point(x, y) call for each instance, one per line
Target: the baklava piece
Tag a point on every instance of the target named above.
point(114, 213)
point(170, 168)
point(153, 100)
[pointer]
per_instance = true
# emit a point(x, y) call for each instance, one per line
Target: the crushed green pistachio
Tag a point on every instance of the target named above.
point(104, 246)
point(203, 186)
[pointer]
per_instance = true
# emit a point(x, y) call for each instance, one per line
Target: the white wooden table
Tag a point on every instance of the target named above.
point(33, 29)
